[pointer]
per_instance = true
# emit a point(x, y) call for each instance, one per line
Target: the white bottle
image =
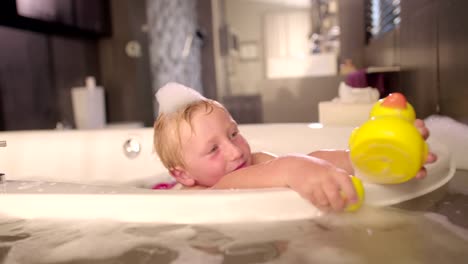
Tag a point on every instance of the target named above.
point(89, 107)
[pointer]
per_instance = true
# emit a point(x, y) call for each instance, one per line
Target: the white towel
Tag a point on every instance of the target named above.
point(348, 94)
point(453, 134)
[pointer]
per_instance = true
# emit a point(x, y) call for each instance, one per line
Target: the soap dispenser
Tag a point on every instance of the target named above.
point(89, 105)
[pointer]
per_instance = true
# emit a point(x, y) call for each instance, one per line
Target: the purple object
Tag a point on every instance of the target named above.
point(357, 79)
point(362, 79)
point(164, 186)
point(376, 80)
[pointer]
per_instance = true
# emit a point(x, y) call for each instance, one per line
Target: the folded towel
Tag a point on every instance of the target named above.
point(348, 94)
point(453, 134)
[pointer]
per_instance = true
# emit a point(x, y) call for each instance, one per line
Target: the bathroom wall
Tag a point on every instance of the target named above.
point(283, 100)
point(428, 46)
point(245, 20)
point(296, 99)
point(206, 15)
point(174, 45)
point(41, 62)
point(453, 59)
point(37, 71)
point(125, 65)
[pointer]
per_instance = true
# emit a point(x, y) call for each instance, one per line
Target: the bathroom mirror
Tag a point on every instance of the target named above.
point(292, 39)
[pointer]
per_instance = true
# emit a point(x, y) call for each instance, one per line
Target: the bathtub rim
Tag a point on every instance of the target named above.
point(304, 209)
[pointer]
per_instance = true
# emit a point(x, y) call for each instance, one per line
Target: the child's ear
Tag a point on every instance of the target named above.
point(182, 176)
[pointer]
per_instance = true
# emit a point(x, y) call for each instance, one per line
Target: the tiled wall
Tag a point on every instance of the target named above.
point(172, 23)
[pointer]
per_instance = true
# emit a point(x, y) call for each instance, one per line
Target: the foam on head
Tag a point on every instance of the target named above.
point(174, 96)
point(177, 103)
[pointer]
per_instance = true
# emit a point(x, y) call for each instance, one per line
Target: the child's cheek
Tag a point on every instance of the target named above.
point(213, 157)
point(240, 141)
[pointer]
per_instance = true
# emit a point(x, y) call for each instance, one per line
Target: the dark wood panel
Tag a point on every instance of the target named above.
point(418, 57)
point(414, 5)
point(92, 15)
point(72, 60)
point(205, 22)
point(28, 95)
point(76, 18)
point(383, 50)
point(56, 11)
point(127, 80)
point(453, 58)
point(352, 28)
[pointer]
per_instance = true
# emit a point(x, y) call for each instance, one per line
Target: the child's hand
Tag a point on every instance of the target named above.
point(431, 158)
point(320, 182)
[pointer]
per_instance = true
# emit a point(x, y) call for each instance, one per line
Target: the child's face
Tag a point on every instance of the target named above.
point(211, 148)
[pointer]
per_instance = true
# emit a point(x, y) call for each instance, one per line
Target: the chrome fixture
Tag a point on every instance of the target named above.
point(132, 148)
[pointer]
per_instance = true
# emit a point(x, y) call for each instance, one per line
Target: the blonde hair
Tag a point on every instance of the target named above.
point(166, 138)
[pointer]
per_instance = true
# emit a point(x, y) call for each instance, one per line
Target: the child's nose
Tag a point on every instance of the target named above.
point(234, 152)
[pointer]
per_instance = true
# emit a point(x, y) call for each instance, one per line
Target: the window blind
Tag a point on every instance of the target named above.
point(381, 16)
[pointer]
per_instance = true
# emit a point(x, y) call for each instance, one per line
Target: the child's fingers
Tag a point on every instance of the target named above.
point(312, 200)
point(431, 158)
point(332, 191)
point(419, 123)
point(421, 174)
point(347, 188)
point(320, 198)
point(422, 128)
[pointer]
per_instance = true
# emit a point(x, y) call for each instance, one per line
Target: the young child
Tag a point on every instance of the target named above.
point(200, 144)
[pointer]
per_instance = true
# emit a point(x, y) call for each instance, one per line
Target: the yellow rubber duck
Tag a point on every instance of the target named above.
point(388, 148)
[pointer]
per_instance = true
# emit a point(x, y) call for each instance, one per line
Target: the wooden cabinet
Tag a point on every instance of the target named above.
point(92, 16)
point(27, 96)
point(47, 47)
point(418, 56)
point(36, 74)
point(453, 58)
point(75, 18)
point(433, 43)
point(53, 11)
point(39, 67)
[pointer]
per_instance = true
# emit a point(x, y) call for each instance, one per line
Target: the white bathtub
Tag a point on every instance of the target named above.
point(86, 175)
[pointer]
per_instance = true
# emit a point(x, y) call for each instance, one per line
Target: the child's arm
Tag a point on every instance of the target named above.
point(316, 180)
point(261, 157)
point(339, 158)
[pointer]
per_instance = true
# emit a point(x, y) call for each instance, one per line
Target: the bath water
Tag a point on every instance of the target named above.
point(372, 235)
point(430, 229)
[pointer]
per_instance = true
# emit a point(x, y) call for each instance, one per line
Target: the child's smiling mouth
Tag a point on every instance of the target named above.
point(242, 165)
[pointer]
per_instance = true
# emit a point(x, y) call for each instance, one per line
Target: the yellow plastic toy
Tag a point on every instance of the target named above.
point(388, 148)
point(359, 188)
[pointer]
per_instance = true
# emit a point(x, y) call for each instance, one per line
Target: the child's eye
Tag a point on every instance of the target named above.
point(234, 134)
point(213, 149)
